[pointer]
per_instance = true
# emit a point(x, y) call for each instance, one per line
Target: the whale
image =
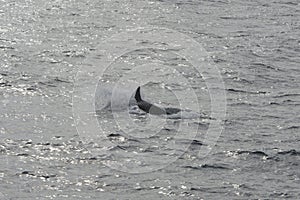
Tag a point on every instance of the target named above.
point(151, 108)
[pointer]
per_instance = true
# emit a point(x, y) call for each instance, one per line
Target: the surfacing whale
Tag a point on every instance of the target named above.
point(151, 108)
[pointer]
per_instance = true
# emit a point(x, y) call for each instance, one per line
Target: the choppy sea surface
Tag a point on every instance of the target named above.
point(47, 152)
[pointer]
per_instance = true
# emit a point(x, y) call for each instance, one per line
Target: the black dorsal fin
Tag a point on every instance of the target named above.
point(137, 96)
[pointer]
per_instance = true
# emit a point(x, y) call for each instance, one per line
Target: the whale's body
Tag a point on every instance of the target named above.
point(151, 108)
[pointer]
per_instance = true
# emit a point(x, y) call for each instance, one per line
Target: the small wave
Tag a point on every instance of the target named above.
point(271, 116)
point(287, 3)
point(218, 190)
point(193, 142)
point(280, 195)
point(197, 142)
point(183, 115)
point(215, 166)
point(5, 84)
point(258, 153)
point(47, 83)
point(58, 79)
point(243, 104)
point(208, 166)
point(243, 91)
point(27, 173)
point(243, 80)
point(273, 103)
point(291, 152)
point(23, 154)
point(124, 147)
point(292, 127)
point(31, 173)
point(266, 66)
point(114, 135)
point(291, 102)
point(286, 95)
point(283, 103)
point(188, 114)
point(6, 47)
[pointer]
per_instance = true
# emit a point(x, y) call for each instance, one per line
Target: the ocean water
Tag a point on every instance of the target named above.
point(69, 126)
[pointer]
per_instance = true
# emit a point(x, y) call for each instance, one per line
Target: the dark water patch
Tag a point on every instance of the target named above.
point(246, 104)
point(47, 83)
point(215, 166)
point(265, 66)
point(291, 152)
point(149, 150)
point(234, 18)
point(282, 103)
point(291, 127)
point(114, 135)
point(53, 81)
point(273, 103)
point(154, 187)
point(232, 122)
point(192, 167)
point(281, 195)
point(169, 129)
point(214, 190)
point(87, 158)
point(6, 47)
point(124, 147)
point(291, 3)
point(5, 84)
point(59, 79)
point(274, 158)
point(7, 40)
point(27, 173)
point(258, 153)
point(270, 79)
point(219, 60)
point(43, 144)
point(208, 166)
point(154, 137)
point(193, 142)
point(197, 143)
point(287, 95)
point(57, 144)
point(69, 53)
point(240, 34)
point(201, 124)
point(242, 80)
point(48, 176)
point(23, 154)
point(32, 88)
point(186, 194)
point(4, 73)
point(271, 116)
point(244, 91)
point(291, 102)
point(187, 3)
point(33, 174)
point(58, 137)
point(131, 139)
point(101, 176)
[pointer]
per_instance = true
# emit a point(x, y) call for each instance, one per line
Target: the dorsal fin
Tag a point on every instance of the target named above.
point(137, 96)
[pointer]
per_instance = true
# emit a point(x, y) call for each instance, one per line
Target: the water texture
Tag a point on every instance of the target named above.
point(254, 44)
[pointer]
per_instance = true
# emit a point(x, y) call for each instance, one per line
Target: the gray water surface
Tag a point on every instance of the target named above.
point(254, 44)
